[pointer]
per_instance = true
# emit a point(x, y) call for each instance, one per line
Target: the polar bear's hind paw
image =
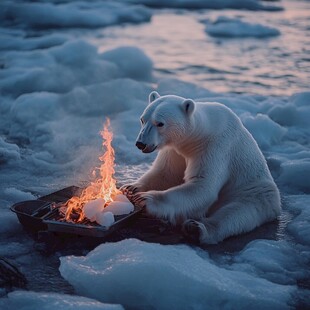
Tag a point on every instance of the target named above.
point(192, 230)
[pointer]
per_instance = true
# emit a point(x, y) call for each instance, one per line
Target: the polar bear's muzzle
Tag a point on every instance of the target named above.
point(149, 149)
point(145, 148)
point(140, 145)
point(147, 140)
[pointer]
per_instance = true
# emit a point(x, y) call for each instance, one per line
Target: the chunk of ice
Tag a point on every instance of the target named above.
point(119, 207)
point(95, 211)
point(93, 207)
point(105, 218)
point(135, 273)
point(121, 198)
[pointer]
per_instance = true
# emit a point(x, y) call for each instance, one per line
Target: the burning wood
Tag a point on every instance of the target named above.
point(101, 200)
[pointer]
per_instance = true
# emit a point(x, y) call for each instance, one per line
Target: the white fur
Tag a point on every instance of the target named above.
point(209, 171)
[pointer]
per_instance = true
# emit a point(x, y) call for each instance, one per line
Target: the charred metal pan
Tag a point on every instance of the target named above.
point(87, 228)
point(43, 214)
point(30, 212)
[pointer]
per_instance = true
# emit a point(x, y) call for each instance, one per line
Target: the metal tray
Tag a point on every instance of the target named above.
point(43, 214)
point(90, 229)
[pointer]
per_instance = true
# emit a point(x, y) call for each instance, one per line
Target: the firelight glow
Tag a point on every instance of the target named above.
point(103, 187)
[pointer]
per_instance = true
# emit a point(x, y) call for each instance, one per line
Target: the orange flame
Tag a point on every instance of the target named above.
point(104, 187)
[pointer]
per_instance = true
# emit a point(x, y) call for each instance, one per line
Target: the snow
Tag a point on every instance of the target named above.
point(295, 174)
point(300, 227)
point(265, 131)
point(61, 86)
point(142, 275)
point(9, 223)
point(131, 61)
point(24, 300)
point(8, 152)
point(16, 195)
point(276, 261)
point(235, 28)
point(20, 42)
point(71, 14)
point(293, 113)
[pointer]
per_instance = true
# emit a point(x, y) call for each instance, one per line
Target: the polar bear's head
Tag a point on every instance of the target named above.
point(165, 121)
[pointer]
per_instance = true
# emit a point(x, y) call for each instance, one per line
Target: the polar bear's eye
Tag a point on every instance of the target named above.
point(142, 120)
point(160, 124)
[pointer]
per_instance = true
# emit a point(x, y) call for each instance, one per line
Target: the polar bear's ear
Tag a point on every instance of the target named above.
point(188, 106)
point(153, 96)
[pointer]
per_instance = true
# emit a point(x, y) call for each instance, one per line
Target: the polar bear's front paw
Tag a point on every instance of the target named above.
point(193, 230)
point(131, 189)
point(143, 199)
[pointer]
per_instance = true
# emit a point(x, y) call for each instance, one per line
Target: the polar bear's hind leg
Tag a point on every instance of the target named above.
point(230, 220)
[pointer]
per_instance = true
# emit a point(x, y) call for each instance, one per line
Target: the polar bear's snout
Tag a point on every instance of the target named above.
point(147, 139)
point(140, 145)
point(145, 148)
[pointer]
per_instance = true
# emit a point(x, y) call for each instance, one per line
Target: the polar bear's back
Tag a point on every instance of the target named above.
point(246, 162)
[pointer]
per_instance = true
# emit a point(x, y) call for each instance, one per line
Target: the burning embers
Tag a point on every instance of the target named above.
point(101, 200)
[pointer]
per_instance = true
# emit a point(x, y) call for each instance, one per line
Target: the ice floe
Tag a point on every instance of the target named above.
point(236, 28)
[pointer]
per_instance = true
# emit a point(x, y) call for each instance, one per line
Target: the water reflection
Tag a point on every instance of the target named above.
point(180, 47)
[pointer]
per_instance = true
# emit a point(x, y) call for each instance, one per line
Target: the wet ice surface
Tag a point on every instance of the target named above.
point(49, 301)
point(57, 87)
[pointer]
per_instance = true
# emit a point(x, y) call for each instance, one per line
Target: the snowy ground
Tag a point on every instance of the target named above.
point(62, 71)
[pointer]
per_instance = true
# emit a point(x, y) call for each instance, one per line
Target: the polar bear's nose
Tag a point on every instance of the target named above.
point(140, 145)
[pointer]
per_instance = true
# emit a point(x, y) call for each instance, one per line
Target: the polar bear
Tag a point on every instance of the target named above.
point(209, 175)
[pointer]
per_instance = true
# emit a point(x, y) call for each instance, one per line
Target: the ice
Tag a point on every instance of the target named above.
point(132, 62)
point(300, 227)
point(62, 86)
point(24, 300)
point(95, 211)
point(55, 69)
point(142, 275)
point(276, 261)
point(59, 84)
point(71, 14)
point(119, 207)
point(15, 194)
point(295, 174)
point(265, 131)
point(235, 28)
point(93, 207)
point(8, 151)
point(105, 218)
point(21, 42)
point(295, 112)
point(9, 223)
point(207, 4)
point(14, 249)
point(121, 198)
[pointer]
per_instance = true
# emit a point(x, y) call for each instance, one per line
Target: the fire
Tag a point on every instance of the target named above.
point(103, 187)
